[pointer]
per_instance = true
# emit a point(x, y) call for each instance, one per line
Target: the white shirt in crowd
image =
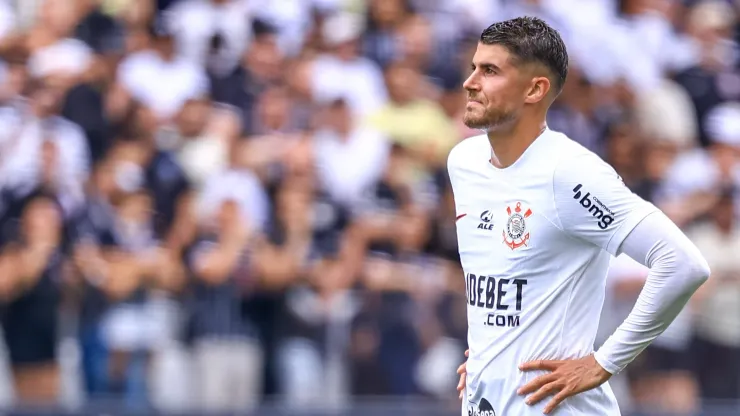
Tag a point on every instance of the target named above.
point(161, 85)
point(359, 81)
point(293, 19)
point(195, 22)
point(22, 142)
point(241, 186)
point(346, 168)
point(8, 19)
point(66, 56)
point(535, 242)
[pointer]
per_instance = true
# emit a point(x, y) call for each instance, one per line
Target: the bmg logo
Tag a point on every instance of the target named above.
point(594, 207)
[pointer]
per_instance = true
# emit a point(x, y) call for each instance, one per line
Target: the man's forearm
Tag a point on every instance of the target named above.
point(677, 269)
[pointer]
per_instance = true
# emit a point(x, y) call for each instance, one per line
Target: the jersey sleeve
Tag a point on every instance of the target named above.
point(676, 270)
point(593, 203)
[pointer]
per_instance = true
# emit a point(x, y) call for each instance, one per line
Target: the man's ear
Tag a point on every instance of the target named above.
point(538, 90)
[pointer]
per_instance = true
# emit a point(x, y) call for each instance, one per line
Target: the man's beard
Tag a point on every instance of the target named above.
point(489, 120)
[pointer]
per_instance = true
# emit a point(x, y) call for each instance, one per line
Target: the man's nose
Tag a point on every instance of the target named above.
point(471, 84)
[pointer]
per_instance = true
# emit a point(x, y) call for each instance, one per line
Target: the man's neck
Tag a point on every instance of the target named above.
point(509, 144)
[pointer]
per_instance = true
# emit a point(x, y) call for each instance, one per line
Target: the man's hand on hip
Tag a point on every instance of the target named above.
point(566, 378)
point(463, 371)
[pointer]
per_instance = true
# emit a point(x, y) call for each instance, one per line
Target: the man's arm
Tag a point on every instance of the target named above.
point(677, 269)
point(594, 205)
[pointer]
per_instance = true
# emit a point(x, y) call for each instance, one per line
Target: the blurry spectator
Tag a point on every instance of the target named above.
point(384, 205)
point(342, 73)
point(94, 236)
point(196, 24)
point(412, 121)
point(127, 328)
point(65, 58)
point(227, 352)
point(443, 238)
point(454, 20)
point(15, 77)
point(98, 30)
point(430, 56)
point(389, 306)
point(239, 185)
point(31, 295)
point(161, 79)
point(38, 140)
point(696, 175)
point(384, 19)
point(276, 113)
point(717, 344)
point(664, 128)
point(667, 114)
point(8, 21)
point(623, 143)
point(205, 132)
point(368, 377)
point(83, 106)
point(293, 19)
point(578, 112)
point(349, 156)
point(135, 14)
point(427, 280)
point(713, 79)
point(279, 262)
point(262, 64)
point(117, 234)
point(317, 306)
point(139, 164)
point(53, 50)
point(393, 230)
point(652, 22)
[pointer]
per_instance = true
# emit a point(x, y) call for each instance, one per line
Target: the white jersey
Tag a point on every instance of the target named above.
point(535, 242)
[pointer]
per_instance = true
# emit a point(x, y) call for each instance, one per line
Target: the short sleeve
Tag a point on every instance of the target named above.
point(594, 204)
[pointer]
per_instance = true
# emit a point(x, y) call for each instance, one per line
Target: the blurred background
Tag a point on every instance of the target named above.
point(214, 206)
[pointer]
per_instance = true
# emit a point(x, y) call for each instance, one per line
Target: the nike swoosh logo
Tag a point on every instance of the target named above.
point(459, 217)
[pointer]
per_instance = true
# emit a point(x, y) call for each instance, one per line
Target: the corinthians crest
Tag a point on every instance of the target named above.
point(516, 234)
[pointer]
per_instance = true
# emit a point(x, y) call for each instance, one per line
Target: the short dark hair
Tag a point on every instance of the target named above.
point(531, 40)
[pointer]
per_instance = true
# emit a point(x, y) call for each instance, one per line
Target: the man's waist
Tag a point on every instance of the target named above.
point(490, 361)
point(488, 397)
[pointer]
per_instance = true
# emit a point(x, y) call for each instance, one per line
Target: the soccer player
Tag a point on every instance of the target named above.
point(538, 219)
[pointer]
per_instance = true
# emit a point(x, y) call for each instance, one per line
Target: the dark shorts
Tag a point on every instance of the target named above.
point(717, 369)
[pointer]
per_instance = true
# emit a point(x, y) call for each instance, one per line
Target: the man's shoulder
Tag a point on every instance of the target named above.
point(467, 149)
point(564, 147)
point(568, 155)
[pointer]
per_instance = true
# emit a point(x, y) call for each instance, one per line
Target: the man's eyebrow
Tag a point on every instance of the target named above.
point(485, 65)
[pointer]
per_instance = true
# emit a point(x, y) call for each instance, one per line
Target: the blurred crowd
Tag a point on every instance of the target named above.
point(207, 203)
